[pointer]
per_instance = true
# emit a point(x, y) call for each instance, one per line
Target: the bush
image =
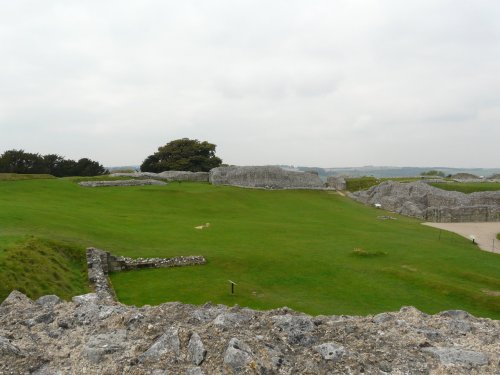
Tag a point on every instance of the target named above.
point(433, 172)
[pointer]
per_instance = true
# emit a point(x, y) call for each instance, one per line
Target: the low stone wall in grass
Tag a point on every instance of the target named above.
point(121, 183)
point(168, 175)
point(100, 263)
point(97, 270)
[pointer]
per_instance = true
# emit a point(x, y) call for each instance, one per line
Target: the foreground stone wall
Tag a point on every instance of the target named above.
point(269, 177)
point(428, 203)
point(89, 336)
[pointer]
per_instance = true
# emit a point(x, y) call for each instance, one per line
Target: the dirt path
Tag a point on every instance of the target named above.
point(485, 234)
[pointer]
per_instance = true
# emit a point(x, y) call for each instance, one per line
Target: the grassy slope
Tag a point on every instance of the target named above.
point(38, 267)
point(17, 177)
point(469, 187)
point(290, 248)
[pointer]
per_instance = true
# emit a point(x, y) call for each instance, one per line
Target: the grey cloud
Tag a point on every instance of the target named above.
point(319, 83)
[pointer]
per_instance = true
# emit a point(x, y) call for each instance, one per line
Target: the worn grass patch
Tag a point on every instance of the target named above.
point(37, 267)
point(359, 252)
point(290, 248)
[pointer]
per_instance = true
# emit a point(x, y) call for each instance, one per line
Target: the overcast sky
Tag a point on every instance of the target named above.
point(314, 83)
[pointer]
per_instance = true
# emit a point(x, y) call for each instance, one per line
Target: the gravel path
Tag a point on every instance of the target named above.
point(485, 234)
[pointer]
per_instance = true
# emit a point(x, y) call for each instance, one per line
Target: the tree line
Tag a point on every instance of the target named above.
point(19, 161)
point(178, 155)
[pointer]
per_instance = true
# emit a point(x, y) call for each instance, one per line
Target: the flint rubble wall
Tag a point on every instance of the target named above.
point(429, 203)
point(121, 183)
point(100, 263)
point(267, 177)
point(94, 336)
point(336, 182)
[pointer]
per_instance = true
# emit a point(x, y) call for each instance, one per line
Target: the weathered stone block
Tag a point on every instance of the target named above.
point(269, 177)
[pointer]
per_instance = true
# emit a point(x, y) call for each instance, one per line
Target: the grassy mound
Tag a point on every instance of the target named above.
point(16, 176)
point(363, 183)
point(37, 267)
point(292, 248)
point(468, 187)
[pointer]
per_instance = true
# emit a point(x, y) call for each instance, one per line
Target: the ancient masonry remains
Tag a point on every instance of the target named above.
point(263, 177)
point(269, 177)
point(100, 263)
point(336, 182)
point(121, 183)
point(418, 199)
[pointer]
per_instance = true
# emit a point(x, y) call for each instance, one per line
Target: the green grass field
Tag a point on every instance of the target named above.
point(313, 251)
point(468, 187)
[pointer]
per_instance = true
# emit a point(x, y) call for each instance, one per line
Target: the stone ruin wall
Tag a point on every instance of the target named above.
point(420, 200)
point(267, 177)
point(121, 183)
point(100, 263)
point(336, 182)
